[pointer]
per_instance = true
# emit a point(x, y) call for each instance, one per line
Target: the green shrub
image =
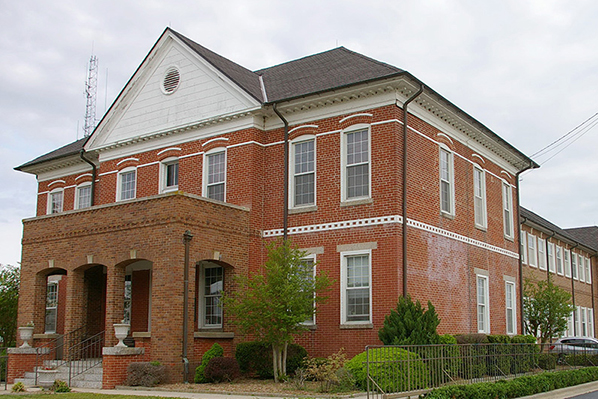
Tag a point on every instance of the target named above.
point(329, 372)
point(580, 359)
point(221, 369)
point(518, 387)
point(410, 324)
point(145, 374)
point(390, 369)
point(500, 355)
point(525, 356)
point(255, 358)
point(474, 352)
point(215, 351)
point(547, 361)
point(18, 387)
point(60, 386)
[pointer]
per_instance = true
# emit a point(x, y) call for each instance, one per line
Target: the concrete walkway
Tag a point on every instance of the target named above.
point(557, 394)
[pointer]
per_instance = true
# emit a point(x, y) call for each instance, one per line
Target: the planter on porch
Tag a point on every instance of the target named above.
point(26, 334)
point(46, 378)
point(120, 332)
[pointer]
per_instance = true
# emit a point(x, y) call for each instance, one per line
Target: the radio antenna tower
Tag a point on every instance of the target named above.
point(91, 87)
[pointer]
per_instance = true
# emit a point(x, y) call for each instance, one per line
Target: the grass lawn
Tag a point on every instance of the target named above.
point(73, 395)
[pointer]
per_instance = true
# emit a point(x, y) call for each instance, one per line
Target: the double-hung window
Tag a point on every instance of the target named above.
point(531, 251)
point(588, 271)
point(83, 196)
point(356, 287)
point(55, 201)
point(309, 265)
point(507, 201)
point(215, 175)
point(582, 269)
point(574, 269)
point(51, 306)
point(127, 184)
point(510, 307)
point(211, 287)
point(541, 254)
point(551, 260)
point(304, 173)
point(567, 258)
point(483, 308)
point(447, 193)
point(170, 175)
point(356, 164)
point(479, 197)
point(523, 240)
point(559, 260)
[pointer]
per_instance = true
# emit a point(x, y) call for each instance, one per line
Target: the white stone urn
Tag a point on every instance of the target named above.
point(46, 378)
point(26, 334)
point(121, 331)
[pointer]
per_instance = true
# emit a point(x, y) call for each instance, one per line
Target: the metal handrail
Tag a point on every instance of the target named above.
point(85, 355)
point(63, 342)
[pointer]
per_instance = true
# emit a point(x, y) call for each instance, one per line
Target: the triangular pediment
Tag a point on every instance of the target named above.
point(174, 87)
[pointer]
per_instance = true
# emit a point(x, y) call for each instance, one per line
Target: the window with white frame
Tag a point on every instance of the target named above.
point(581, 267)
point(559, 260)
point(507, 201)
point(578, 328)
point(83, 196)
point(588, 271)
point(55, 201)
point(170, 175)
point(211, 287)
point(531, 251)
point(356, 287)
point(567, 261)
point(356, 164)
point(570, 330)
point(551, 260)
point(541, 254)
point(510, 304)
point(447, 193)
point(584, 325)
point(483, 304)
point(51, 305)
point(309, 263)
point(215, 175)
point(127, 184)
point(574, 268)
point(479, 197)
point(523, 247)
point(303, 185)
point(590, 317)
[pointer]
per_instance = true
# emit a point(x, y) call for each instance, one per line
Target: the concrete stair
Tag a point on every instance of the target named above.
point(91, 378)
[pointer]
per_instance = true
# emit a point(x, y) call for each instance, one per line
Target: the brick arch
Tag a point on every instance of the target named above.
point(214, 143)
point(41, 284)
point(127, 163)
point(446, 140)
point(305, 130)
point(356, 119)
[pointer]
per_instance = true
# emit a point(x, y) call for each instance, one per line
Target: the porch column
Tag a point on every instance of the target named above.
point(115, 291)
point(76, 301)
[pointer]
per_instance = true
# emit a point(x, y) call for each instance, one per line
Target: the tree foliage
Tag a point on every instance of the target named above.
point(274, 305)
point(546, 308)
point(10, 278)
point(410, 324)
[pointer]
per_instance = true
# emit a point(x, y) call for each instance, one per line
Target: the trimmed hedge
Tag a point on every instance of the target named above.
point(521, 386)
point(256, 358)
point(390, 375)
point(145, 374)
point(221, 369)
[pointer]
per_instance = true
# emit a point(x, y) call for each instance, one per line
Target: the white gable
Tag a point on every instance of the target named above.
point(144, 109)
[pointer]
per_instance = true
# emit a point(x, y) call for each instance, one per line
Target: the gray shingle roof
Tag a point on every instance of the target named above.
point(70, 149)
point(526, 214)
point(587, 235)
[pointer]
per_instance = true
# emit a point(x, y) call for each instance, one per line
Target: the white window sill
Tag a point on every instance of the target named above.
point(140, 334)
point(447, 215)
point(303, 209)
point(213, 334)
point(359, 201)
point(356, 326)
point(481, 228)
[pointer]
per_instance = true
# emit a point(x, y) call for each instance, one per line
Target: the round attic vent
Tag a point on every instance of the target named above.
point(171, 81)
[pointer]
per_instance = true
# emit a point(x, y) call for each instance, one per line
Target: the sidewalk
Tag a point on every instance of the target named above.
point(557, 394)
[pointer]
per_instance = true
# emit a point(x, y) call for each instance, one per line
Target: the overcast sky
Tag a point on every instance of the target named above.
point(528, 70)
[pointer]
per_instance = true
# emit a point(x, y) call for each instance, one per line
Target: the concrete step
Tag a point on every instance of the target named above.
point(86, 384)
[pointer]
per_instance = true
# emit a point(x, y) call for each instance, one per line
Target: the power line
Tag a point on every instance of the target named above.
point(545, 149)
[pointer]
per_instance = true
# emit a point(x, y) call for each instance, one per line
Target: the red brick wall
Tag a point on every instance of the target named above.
point(18, 365)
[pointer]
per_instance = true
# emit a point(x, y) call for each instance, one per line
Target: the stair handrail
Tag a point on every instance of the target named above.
point(54, 344)
point(90, 345)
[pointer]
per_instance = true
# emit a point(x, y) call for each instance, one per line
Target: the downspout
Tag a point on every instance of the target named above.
point(285, 215)
point(405, 130)
point(530, 166)
point(94, 172)
point(187, 236)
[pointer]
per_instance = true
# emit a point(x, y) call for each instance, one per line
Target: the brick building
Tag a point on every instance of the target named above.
point(389, 187)
point(567, 257)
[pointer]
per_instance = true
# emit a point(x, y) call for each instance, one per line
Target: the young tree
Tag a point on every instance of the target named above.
point(274, 305)
point(546, 308)
point(410, 324)
point(10, 278)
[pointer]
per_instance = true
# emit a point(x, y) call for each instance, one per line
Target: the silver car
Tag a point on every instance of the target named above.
point(577, 345)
